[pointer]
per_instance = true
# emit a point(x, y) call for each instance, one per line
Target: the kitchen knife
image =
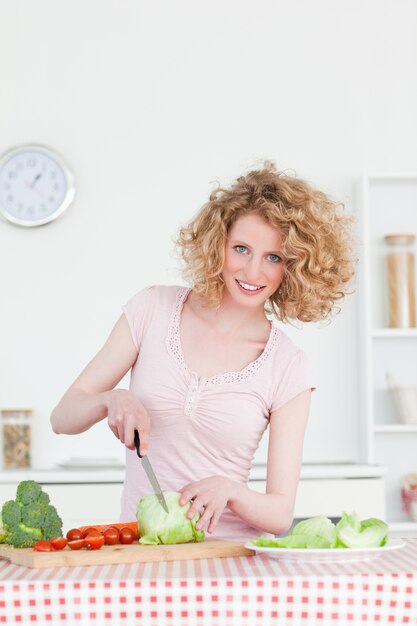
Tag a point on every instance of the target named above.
point(150, 474)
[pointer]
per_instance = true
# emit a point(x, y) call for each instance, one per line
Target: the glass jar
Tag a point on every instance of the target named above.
point(401, 292)
point(16, 437)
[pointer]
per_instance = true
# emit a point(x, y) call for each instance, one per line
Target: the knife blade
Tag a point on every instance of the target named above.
point(146, 464)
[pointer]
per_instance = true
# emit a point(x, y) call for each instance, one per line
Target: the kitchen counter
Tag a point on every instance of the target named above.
point(235, 591)
point(116, 475)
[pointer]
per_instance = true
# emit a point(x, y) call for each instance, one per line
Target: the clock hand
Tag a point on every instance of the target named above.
point(35, 180)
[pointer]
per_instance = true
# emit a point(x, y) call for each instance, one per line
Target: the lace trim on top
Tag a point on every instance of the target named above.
point(174, 347)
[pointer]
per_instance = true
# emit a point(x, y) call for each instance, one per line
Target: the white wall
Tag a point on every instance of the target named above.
point(149, 102)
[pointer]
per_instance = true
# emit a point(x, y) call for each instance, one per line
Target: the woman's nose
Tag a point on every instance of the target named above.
point(253, 269)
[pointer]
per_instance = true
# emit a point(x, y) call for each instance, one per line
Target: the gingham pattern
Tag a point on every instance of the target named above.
point(239, 591)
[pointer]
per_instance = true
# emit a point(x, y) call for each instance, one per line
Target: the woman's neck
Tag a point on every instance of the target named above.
point(230, 319)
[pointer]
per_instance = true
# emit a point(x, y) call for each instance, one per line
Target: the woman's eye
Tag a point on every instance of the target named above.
point(241, 249)
point(274, 258)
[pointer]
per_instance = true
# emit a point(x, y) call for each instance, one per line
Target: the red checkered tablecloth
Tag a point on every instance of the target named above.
point(239, 591)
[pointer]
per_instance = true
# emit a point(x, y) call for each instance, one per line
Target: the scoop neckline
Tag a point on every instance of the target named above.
point(175, 348)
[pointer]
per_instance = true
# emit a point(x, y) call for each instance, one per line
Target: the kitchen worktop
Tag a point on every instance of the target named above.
point(116, 475)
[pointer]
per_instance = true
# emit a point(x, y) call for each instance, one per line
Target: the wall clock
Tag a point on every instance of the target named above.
point(36, 186)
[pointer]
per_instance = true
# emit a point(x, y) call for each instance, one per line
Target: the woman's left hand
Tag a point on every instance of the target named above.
point(209, 497)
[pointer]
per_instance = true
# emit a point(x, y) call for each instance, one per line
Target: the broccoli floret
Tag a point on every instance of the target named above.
point(11, 514)
point(22, 536)
point(28, 491)
point(3, 531)
point(52, 532)
point(33, 514)
point(44, 498)
point(52, 525)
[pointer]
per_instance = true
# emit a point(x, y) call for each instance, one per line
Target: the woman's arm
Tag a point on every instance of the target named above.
point(270, 512)
point(92, 396)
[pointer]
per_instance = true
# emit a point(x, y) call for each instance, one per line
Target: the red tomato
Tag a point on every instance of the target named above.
point(76, 544)
point(111, 536)
point(95, 542)
point(74, 534)
point(127, 535)
point(91, 532)
point(43, 546)
point(59, 543)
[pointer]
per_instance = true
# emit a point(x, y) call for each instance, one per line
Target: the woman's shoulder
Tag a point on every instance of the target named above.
point(287, 350)
point(158, 294)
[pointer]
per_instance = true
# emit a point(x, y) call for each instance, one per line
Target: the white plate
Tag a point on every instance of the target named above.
point(321, 555)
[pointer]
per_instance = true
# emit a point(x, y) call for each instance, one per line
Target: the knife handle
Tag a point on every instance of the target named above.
point(137, 443)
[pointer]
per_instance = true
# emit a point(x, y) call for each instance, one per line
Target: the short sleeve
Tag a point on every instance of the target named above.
point(138, 311)
point(293, 380)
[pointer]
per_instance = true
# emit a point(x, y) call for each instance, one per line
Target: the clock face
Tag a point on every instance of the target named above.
point(35, 186)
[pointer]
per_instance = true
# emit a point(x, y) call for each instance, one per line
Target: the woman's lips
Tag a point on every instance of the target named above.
point(247, 291)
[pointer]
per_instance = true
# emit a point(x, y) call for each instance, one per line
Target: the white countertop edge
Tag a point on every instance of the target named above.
point(258, 472)
point(330, 470)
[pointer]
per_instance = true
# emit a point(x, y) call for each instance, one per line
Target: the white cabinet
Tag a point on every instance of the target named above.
point(388, 206)
point(332, 496)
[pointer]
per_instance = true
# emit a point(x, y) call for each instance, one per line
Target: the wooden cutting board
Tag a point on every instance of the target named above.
point(133, 553)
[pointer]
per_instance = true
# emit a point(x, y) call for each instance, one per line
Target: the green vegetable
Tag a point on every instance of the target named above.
point(28, 491)
point(11, 514)
point(320, 528)
point(320, 532)
point(3, 531)
point(29, 518)
point(22, 536)
point(369, 533)
point(157, 526)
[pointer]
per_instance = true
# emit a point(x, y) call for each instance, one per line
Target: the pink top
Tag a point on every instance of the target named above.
point(201, 426)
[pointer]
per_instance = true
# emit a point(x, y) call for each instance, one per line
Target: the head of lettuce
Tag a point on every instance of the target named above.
point(157, 526)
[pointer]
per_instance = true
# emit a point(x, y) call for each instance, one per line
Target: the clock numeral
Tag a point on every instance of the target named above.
point(43, 207)
point(7, 186)
point(19, 165)
point(31, 162)
point(10, 198)
point(56, 187)
point(51, 198)
point(19, 206)
point(53, 174)
point(31, 210)
point(12, 174)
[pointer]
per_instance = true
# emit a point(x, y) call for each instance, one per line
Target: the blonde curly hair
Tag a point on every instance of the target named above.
point(316, 236)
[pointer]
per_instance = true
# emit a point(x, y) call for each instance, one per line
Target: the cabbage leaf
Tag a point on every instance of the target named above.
point(320, 532)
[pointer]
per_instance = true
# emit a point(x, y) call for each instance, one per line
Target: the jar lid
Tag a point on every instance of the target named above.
point(403, 238)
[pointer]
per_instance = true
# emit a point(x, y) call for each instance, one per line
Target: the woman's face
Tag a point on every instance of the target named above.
point(253, 264)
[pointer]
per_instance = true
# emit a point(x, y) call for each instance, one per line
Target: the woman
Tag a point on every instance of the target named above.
point(209, 371)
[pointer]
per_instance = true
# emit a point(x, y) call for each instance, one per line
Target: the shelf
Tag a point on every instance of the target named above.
point(395, 428)
point(394, 333)
point(387, 205)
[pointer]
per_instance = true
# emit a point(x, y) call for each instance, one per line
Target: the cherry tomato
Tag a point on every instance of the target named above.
point(111, 536)
point(74, 534)
point(95, 542)
point(59, 543)
point(127, 535)
point(43, 546)
point(76, 544)
point(91, 532)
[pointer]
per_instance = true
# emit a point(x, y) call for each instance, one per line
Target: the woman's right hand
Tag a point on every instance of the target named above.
point(125, 414)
